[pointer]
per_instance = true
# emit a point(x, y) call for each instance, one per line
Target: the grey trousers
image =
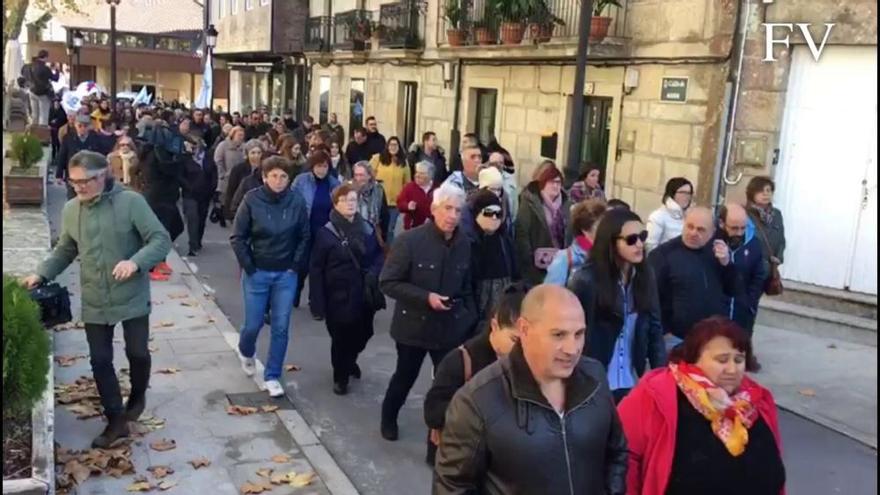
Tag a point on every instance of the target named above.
point(40, 106)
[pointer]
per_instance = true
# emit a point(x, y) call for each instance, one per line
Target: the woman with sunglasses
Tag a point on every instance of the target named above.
point(619, 295)
point(496, 338)
point(493, 258)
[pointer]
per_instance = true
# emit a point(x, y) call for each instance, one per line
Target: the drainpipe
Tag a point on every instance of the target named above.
point(455, 138)
point(724, 179)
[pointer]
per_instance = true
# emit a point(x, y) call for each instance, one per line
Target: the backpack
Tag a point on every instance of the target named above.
point(468, 374)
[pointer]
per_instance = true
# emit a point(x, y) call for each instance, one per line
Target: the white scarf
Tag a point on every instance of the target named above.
point(126, 166)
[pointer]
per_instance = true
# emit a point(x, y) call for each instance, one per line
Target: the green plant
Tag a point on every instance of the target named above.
point(602, 5)
point(25, 350)
point(511, 10)
point(453, 13)
point(26, 148)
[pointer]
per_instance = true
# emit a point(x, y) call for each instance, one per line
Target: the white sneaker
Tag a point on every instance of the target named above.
point(248, 365)
point(275, 389)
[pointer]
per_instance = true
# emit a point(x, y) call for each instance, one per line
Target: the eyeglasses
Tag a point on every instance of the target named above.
point(492, 211)
point(632, 239)
point(686, 192)
point(81, 182)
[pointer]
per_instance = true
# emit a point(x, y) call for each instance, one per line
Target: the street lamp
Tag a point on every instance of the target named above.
point(77, 46)
point(113, 4)
point(70, 50)
point(210, 42)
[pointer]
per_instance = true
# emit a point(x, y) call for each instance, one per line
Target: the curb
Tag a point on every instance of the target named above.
point(834, 426)
point(337, 482)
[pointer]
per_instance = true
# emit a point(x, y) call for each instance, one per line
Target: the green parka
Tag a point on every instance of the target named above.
point(118, 225)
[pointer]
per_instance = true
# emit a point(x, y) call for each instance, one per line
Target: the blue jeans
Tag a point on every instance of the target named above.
point(393, 214)
point(273, 291)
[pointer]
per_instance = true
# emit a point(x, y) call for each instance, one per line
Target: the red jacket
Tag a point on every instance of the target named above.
point(414, 192)
point(649, 415)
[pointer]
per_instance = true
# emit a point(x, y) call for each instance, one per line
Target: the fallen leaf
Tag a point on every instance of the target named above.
point(301, 480)
point(65, 361)
point(200, 462)
point(166, 323)
point(280, 478)
point(168, 371)
point(281, 458)
point(251, 488)
point(77, 471)
point(163, 445)
point(832, 346)
point(268, 408)
point(292, 367)
point(240, 410)
point(167, 485)
point(160, 471)
point(188, 303)
point(153, 348)
point(178, 295)
point(211, 320)
point(807, 392)
point(140, 486)
point(265, 472)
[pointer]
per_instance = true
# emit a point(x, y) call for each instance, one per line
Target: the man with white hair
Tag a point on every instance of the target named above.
point(428, 274)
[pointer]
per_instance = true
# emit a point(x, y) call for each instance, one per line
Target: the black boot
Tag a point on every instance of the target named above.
point(356, 371)
point(135, 407)
point(389, 430)
point(340, 388)
point(117, 427)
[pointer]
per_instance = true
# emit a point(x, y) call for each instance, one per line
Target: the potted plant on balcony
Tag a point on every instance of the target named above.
point(599, 23)
point(24, 183)
point(454, 15)
point(513, 15)
point(483, 33)
point(542, 22)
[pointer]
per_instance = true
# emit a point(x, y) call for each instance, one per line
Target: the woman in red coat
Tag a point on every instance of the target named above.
point(414, 201)
point(700, 425)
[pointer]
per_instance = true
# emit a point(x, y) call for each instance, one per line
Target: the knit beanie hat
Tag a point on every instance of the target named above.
point(483, 198)
point(490, 177)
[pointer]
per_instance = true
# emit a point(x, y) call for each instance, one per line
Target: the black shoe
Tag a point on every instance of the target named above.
point(135, 407)
point(192, 253)
point(117, 427)
point(389, 431)
point(340, 388)
point(356, 372)
point(267, 319)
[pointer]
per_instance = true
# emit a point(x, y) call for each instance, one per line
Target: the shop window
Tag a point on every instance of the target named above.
point(408, 99)
point(484, 119)
point(324, 100)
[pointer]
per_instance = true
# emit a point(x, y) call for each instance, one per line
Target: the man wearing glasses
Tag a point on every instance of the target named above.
point(84, 138)
point(117, 239)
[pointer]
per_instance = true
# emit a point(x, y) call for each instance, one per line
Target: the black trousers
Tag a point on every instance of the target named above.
point(409, 363)
point(136, 332)
point(196, 213)
point(619, 394)
point(347, 341)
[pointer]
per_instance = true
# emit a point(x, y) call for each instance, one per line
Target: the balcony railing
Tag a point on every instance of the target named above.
point(351, 30)
point(567, 13)
point(317, 34)
point(400, 23)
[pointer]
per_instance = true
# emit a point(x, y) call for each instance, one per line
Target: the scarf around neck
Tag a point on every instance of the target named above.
point(126, 158)
point(350, 230)
point(764, 213)
point(555, 220)
point(731, 416)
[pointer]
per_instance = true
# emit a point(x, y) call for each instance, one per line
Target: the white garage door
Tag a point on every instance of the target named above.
point(827, 176)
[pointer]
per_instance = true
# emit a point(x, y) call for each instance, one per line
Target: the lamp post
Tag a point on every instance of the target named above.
point(210, 42)
point(70, 50)
point(113, 4)
point(575, 131)
point(77, 46)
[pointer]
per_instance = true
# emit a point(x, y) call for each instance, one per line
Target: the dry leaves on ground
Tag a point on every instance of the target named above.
point(292, 367)
point(163, 324)
point(281, 458)
point(268, 408)
point(265, 472)
point(189, 303)
point(178, 295)
point(807, 392)
point(166, 485)
point(71, 325)
point(167, 371)
point(140, 486)
point(240, 410)
point(160, 472)
point(257, 487)
point(80, 465)
point(200, 462)
point(153, 349)
point(81, 397)
point(66, 361)
point(293, 479)
point(163, 445)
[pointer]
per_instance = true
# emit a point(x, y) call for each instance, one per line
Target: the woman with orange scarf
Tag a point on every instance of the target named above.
point(700, 425)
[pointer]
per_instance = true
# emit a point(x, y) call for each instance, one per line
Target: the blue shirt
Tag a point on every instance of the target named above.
point(620, 370)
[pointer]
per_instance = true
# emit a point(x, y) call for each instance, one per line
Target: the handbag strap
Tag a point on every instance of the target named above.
point(346, 245)
point(763, 233)
point(466, 361)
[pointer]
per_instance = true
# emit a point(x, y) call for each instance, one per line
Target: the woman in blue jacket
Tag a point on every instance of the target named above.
point(270, 236)
point(344, 251)
point(619, 295)
point(315, 186)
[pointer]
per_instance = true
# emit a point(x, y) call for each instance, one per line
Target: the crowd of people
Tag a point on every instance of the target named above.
point(576, 347)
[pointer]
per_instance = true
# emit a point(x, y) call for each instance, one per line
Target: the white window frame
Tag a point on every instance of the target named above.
point(248, 4)
point(221, 11)
point(263, 3)
point(233, 6)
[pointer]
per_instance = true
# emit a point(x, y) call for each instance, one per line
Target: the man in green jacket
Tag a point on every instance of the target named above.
point(117, 239)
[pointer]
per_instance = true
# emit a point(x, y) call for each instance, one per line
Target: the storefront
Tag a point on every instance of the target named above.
point(270, 85)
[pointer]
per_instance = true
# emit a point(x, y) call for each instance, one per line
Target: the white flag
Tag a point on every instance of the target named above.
point(204, 99)
point(141, 97)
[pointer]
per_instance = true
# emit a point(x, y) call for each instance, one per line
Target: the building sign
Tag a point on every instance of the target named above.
point(674, 89)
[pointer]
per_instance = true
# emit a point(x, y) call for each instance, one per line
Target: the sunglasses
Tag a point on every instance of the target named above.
point(632, 239)
point(492, 211)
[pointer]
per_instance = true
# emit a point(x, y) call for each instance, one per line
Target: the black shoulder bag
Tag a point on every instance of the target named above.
point(54, 302)
point(373, 297)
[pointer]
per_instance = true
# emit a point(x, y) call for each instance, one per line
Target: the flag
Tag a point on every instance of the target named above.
point(141, 97)
point(204, 99)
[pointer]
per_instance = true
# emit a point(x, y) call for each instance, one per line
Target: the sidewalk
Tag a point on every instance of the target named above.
point(194, 371)
point(831, 382)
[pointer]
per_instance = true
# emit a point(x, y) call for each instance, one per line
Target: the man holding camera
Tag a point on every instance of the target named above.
point(117, 239)
point(428, 274)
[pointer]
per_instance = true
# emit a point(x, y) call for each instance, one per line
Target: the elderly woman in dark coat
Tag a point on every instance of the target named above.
point(345, 250)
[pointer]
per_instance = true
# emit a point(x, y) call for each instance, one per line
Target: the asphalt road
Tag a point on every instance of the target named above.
point(818, 460)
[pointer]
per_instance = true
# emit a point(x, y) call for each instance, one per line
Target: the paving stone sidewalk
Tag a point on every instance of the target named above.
point(188, 333)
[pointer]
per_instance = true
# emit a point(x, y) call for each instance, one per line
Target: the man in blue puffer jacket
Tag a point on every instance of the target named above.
point(737, 230)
